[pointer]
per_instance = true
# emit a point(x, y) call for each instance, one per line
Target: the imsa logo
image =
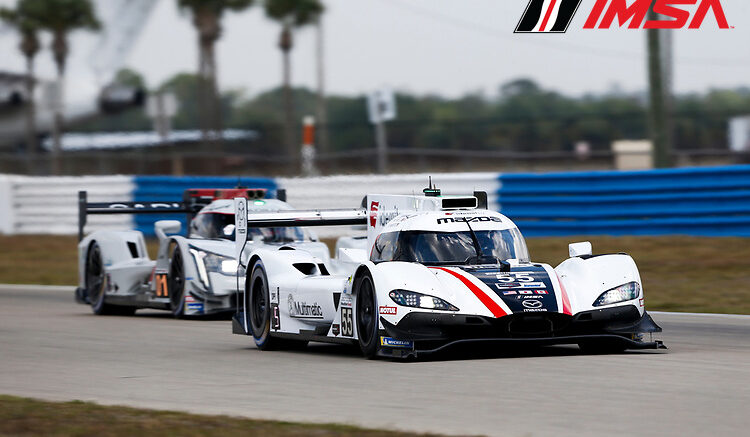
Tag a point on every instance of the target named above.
point(554, 16)
point(547, 16)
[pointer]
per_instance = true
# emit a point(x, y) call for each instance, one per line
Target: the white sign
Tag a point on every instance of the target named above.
point(739, 134)
point(240, 226)
point(381, 106)
point(161, 105)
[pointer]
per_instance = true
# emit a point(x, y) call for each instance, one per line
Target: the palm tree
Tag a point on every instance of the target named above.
point(207, 20)
point(291, 14)
point(29, 46)
point(60, 17)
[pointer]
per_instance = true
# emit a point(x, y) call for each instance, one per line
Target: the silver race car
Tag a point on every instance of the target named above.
point(191, 276)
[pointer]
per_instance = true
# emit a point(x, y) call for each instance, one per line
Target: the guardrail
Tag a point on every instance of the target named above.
point(712, 201)
point(49, 205)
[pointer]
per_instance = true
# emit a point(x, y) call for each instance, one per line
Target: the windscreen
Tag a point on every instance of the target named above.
point(442, 248)
point(215, 225)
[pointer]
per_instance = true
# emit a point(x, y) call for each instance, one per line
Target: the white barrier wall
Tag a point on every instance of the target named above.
point(347, 191)
point(49, 205)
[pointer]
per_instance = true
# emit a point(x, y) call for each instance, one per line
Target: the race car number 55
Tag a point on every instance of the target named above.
point(347, 324)
point(515, 277)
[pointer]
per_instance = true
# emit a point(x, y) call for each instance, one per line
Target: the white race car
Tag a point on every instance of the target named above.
point(437, 271)
point(192, 276)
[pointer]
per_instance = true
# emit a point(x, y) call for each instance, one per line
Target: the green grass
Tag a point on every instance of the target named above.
point(690, 274)
point(687, 274)
point(30, 417)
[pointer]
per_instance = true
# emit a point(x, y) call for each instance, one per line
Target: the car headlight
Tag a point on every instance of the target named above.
point(628, 291)
point(220, 264)
point(418, 300)
point(211, 262)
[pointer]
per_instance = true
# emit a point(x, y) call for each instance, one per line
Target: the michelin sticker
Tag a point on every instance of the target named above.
point(392, 342)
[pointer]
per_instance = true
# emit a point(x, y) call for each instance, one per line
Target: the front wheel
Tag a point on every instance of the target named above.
point(367, 316)
point(258, 308)
point(258, 312)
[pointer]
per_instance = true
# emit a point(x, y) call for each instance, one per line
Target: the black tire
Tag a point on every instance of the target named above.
point(367, 316)
point(258, 308)
point(96, 283)
point(176, 282)
point(601, 347)
point(258, 312)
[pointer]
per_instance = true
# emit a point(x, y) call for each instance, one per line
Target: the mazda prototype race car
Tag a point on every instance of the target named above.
point(438, 271)
point(192, 276)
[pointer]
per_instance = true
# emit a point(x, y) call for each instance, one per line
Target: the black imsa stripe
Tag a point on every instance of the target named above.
point(565, 15)
point(531, 17)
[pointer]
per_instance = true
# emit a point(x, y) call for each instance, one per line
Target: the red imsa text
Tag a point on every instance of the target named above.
point(636, 12)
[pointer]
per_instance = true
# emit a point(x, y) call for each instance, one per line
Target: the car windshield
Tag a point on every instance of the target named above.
point(215, 225)
point(438, 248)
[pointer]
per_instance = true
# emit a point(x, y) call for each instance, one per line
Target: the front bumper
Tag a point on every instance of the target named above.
point(433, 332)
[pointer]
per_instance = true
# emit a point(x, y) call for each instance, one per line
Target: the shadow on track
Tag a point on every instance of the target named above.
point(461, 353)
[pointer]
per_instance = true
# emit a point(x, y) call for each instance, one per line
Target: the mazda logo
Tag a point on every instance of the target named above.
point(532, 304)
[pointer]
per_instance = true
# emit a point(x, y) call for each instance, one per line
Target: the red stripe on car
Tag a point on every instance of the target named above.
point(565, 301)
point(491, 305)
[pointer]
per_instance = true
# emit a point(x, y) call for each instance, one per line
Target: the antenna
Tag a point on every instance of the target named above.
point(431, 191)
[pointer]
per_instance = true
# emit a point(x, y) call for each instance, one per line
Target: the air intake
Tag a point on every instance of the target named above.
point(459, 202)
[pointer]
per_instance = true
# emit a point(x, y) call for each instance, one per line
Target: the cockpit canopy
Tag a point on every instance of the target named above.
point(217, 221)
point(450, 248)
point(216, 225)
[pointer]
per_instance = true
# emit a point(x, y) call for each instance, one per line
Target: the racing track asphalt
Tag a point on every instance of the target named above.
point(54, 349)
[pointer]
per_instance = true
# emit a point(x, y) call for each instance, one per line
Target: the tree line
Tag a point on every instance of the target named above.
point(522, 117)
point(62, 17)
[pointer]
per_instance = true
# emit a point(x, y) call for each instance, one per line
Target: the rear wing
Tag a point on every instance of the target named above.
point(331, 217)
point(193, 200)
point(378, 211)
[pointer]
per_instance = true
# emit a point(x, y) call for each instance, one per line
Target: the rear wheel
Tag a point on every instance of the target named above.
point(96, 283)
point(176, 282)
point(367, 316)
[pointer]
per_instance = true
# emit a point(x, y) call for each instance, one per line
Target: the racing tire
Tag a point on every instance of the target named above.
point(176, 282)
point(601, 347)
point(258, 308)
point(96, 283)
point(367, 315)
point(258, 312)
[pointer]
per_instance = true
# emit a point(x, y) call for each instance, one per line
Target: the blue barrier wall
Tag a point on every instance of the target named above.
point(711, 201)
point(170, 188)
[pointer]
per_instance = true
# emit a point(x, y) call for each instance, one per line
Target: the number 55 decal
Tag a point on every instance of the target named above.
point(347, 322)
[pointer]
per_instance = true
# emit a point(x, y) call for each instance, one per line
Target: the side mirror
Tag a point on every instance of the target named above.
point(162, 228)
point(580, 249)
